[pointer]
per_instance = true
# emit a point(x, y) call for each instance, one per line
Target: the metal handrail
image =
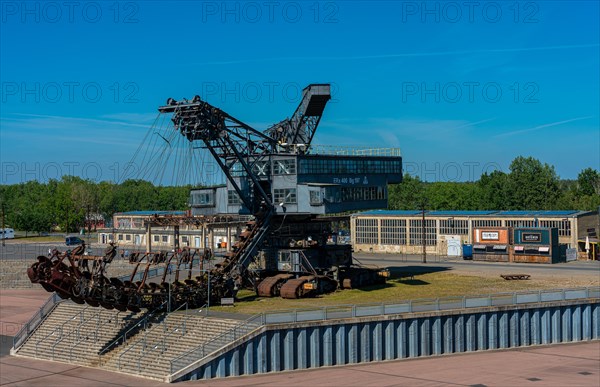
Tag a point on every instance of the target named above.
point(353, 150)
point(36, 320)
point(83, 321)
point(166, 335)
point(45, 310)
point(221, 338)
point(78, 335)
point(424, 305)
point(142, 340)
point(123, 337)
point(139, 342)
point(52, 333)
point(60, 329)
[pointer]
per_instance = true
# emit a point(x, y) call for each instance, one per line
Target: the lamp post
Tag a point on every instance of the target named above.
point(3, 225)
point(208, 293)
point(423, 233)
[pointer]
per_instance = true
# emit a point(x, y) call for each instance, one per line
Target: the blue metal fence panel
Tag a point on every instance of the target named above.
point(339, 343)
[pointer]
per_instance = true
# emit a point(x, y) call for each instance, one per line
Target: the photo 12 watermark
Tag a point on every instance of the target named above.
point(253, 12)
point(257, 92)
point(452, 171)
point(126, 92)
point(450, 12)
point(70, 12)
point(526, 92)
point(12, 172)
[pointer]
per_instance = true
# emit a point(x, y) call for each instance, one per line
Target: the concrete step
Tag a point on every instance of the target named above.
point(104, 326)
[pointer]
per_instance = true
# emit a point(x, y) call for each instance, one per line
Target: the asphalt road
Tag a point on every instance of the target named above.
point(16, 250)
point(413, 263)
point(397, 262)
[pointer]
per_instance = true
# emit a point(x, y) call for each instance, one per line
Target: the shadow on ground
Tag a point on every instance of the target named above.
point(406, 274)
point(399, 272)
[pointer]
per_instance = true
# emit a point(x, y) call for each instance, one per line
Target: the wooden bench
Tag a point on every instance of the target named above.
point(227, 301)
point(515, 276)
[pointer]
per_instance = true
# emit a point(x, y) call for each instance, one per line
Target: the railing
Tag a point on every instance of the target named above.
point(78, 337)
point(166, 335)
point(428, 305)
point(220, 341)
point(54, 299)
point(354, 151)
point(151, 273)
point(143, 341)
point(57, 330)
point(142, 324)
point(82, 321)
point(35, 320)
point(352, 311)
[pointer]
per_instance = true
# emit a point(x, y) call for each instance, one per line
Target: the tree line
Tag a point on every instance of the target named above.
point(65, 204)
point(529, 185)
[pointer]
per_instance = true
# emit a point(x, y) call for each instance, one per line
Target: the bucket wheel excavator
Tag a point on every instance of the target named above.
point(283, 251)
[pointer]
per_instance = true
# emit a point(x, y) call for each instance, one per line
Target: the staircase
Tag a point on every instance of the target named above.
point(151, 354)
point(135, 343)
point(75, 333)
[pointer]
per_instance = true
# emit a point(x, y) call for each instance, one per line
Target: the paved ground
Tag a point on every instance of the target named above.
point(560, 365)
point(577, 269)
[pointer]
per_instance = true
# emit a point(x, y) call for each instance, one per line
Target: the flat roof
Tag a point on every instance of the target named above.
point(150, 213)
point(522, 214)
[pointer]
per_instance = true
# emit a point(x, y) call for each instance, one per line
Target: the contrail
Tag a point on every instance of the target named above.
point(542, 126)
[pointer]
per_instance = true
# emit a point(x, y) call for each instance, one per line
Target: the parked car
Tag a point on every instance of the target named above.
point(7, 233)
point(73, 241)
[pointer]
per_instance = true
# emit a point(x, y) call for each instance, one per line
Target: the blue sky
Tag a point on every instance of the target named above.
point(460, 87)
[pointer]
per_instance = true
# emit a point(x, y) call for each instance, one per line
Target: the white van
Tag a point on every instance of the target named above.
point(7, 233)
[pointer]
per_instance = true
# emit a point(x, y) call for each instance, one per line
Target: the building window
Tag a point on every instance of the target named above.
point(165, 238)
point(184, 239)
point(487, 223)
point(284, 167)
point(315, 198)
point(416, 232)
point(454, 227)
point(233, 199)
point(286, 196)
point(120, 237)
point(203, 199)
point(127, 237)
point(237, 170)
point(358, 194)
point(393, 232)
point(520, 223)
point(124, 223)
point(564, 226)
point(367, 232)
point(261, 168)
point(349, 166)
point(155, 238)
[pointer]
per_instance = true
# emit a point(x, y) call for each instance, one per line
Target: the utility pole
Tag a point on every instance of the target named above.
point(3, 226)
point(67, 228)
point(424, 260)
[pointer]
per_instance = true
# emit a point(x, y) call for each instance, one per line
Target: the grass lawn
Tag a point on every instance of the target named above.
point(430, 285)
point(40, 239)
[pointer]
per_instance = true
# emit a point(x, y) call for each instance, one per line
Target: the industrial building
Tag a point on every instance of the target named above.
point(445, 232)
point(132, 229)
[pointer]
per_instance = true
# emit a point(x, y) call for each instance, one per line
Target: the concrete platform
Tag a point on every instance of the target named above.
point(560, 365)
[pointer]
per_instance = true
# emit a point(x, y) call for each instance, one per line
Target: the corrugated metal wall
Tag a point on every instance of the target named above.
point(327, 343)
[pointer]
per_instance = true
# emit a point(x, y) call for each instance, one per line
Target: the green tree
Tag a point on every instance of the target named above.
point(588, 182)
point(492, 191)
point(531, 185)
point(407, 195)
